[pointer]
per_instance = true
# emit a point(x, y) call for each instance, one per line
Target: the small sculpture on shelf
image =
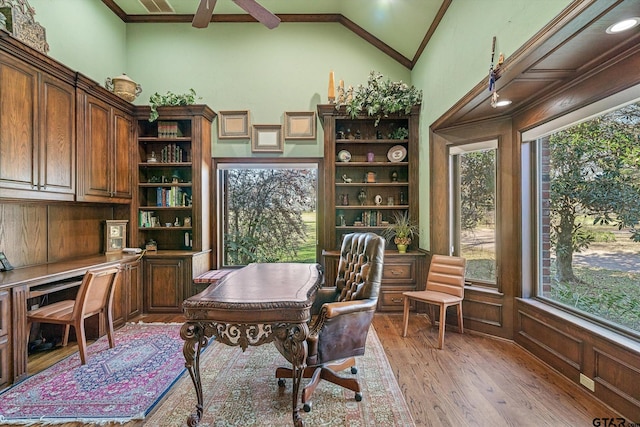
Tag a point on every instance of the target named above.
point(346, 179)
point(362, 197)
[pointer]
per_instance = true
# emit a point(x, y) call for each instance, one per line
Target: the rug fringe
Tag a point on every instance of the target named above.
point(140, 322)
point(58, 421)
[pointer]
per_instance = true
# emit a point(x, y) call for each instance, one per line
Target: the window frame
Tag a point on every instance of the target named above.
point(257, 162)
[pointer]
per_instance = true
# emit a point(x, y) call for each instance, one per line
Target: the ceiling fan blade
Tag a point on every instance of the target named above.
point(259, 13)
point(203, 15)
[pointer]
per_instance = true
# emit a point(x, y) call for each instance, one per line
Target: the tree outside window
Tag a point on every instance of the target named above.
point(590, 211)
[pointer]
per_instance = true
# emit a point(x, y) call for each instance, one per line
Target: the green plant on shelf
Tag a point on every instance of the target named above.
point(380, 98)
point(170, 99)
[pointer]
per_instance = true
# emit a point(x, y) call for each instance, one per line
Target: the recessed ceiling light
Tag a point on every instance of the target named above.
point(624, 25)
point(503, 103)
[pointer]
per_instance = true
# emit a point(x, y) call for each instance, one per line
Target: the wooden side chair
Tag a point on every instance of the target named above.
point(343, 315)
point(95, 296)
point(445, 288)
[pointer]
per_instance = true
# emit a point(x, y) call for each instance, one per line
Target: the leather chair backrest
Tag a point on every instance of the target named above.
point(446, 274)
point(360, 266)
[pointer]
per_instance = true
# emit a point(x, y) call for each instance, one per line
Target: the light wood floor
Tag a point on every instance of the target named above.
point(474, 381)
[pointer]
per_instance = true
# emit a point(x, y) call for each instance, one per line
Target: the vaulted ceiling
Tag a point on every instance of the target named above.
point(399, 28)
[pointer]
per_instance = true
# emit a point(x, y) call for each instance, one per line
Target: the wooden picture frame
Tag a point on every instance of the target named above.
point(300, 125)
point(233, 125)
point(267, 139)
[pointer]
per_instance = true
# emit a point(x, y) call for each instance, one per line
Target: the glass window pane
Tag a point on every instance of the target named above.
point(588, 210)
point(474, 196)
point(267, 213)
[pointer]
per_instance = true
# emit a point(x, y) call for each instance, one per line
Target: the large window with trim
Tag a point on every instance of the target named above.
point(267, 212)
point(473, 208)
point(586, 199)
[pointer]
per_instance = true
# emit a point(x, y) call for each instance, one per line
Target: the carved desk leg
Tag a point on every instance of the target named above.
point(195, 340)
point(295, 343)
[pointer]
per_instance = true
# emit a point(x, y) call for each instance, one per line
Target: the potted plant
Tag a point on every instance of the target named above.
point(402, 231)
point(381, 97)
point(170, 99)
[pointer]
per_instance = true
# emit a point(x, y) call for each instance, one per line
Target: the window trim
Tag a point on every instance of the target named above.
point(257, 162)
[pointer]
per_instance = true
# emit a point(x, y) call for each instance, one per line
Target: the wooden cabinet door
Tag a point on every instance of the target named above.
point(96, 150)
point(5, 327)
point(122, 155)
point(164, 285)
point(120, 299)
point(57, 138)
point(18, 118)
point(134, 304)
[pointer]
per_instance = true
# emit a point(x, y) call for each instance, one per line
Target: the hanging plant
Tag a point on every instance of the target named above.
point(170, 99)
point(381, 97)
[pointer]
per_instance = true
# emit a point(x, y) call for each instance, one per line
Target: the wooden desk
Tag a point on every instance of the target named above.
point(17, 286)
point(255, 305)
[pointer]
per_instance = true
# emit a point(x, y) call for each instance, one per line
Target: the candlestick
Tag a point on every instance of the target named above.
point(332, 88)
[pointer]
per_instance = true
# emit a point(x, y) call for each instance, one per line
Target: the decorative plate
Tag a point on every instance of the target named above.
point(397, 153)
point(344, 156)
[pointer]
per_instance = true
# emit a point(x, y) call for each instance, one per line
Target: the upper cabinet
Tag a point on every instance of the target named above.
point(105, 141)
point(371, 172)
point(37, 127)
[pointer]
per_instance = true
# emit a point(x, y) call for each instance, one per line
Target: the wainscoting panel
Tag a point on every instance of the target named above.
point(575, 346)
point(565, 349)
point(484, 312)
point(616, 379)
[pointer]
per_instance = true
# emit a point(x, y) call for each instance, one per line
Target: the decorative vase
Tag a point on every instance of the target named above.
point(124, 87)
point(402, 248)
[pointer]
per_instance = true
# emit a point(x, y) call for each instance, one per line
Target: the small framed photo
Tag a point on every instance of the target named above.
point(233, 125)
point(267, 139)
point(300, 125)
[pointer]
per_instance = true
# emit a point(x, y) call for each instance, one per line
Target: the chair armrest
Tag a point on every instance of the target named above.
point(324, 295)
point(334, 309)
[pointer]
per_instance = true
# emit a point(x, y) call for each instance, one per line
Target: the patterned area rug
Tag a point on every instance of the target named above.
point(117, 385)
point(240, 389)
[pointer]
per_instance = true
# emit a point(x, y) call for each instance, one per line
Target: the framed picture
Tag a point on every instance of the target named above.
point(300, 125)
point(233, 125)
point(267, 139)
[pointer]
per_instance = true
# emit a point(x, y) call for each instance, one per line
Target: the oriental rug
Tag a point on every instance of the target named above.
point(116, 385)
point(240, 389)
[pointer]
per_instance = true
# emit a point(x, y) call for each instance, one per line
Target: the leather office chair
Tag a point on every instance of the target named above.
point(344, 313)
point(95, 296)
point(445, 288)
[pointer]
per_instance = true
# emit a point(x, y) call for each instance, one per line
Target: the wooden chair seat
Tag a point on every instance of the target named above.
point(95, 296)
point(445, 288)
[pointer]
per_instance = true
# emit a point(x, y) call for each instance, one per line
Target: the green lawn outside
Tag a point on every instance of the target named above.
point(307, 251)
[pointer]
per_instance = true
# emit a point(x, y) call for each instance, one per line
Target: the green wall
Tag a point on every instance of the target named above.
point(458, 57)
point(248, 67)
point(84, 35)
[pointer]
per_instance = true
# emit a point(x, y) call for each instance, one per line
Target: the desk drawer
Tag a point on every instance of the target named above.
point(399, 272)
point(392, 300)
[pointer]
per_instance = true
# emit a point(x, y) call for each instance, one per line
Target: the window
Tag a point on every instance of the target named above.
point(267, 212)
point(587, 187)
point(473, 208)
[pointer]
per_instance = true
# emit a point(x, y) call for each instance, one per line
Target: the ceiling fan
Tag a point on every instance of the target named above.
point(203, 15)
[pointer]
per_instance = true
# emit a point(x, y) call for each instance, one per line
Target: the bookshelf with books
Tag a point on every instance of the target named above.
point(370, 176)
point(172, 205)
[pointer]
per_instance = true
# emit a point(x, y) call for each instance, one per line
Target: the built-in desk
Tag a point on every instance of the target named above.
point(17, 286)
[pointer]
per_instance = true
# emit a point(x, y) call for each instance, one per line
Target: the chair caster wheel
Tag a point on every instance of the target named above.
point(307, 407)
point(354, 370)
point(281, 383)
point(358, 397)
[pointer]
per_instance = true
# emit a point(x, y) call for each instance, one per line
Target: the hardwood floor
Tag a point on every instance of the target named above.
point(474, 380)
